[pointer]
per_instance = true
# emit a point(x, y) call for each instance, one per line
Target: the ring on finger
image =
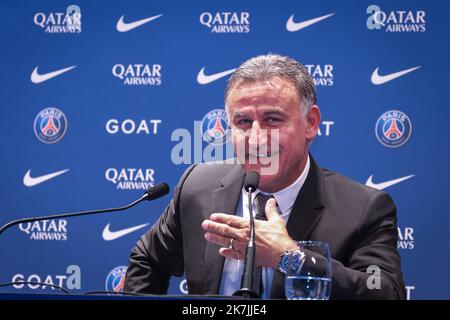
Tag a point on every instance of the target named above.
point(230, 245)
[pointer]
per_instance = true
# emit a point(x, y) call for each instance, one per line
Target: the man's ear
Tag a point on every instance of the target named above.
point(312, 122)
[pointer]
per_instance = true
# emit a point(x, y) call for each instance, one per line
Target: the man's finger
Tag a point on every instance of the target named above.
point(217, 239)
point(230, 220)
point(230, 253)
point(271, 210)
point(224, 230)
point(225, 241)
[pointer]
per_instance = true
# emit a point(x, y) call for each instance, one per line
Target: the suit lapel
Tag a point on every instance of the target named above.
point(225, 199)
point(306, 210)
point(305, 214)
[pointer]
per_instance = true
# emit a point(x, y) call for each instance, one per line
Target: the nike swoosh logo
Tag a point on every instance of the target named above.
point(386, 184)
point(378, 79)
point(39, 78)
point(29, 181)
point(202, 78)
point(124, 27)
point(296, 26)
point(109, 235)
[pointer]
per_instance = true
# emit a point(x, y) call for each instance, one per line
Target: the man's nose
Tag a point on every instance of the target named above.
point(258, 136)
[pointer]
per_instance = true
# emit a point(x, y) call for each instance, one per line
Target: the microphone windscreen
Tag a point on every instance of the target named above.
point(157, 191)
point(251, 180)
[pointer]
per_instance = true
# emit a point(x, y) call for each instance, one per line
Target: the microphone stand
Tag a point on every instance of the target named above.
point(150, 194)
point(246, 290)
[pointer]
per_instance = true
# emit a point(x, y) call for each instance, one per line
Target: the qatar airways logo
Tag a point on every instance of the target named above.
point(226, 22)
point(131, 178)
point(138, 74)
point(51, 230)
point(60, 22)
point(395, 21)
point(405, 238)
point(321, 74)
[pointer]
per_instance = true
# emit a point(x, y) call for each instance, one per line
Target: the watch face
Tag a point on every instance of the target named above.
point(296, 262)
point(292, 262)
point(284, 263)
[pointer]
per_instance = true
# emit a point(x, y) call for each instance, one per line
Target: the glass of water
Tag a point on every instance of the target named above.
point(308, 272)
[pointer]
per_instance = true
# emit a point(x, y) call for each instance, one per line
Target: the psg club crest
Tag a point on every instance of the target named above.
point(50, 125)
point(116, 279)
point(393, 129)
point(215, 129)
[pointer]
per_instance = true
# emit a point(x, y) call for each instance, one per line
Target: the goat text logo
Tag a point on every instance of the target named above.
point(70, 280)
point(130, 126)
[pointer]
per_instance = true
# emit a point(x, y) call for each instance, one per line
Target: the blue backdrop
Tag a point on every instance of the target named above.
point(92, 91)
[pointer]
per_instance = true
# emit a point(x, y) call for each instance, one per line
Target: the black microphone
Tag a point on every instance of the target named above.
point(152, 193)
point(251, 182)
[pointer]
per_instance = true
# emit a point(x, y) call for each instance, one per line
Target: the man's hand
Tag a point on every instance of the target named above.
point(271, 236)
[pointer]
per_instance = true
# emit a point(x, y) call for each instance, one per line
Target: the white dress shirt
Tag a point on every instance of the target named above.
point(233, 269)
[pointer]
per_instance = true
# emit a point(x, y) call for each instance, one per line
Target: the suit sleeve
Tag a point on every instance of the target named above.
point(158, 254)
point(376, 246)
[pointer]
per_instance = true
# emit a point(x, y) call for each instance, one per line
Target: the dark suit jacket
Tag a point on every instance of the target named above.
point(358, 222)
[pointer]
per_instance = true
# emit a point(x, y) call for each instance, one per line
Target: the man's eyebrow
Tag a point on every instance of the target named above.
point(239, 114)
point(278, 111)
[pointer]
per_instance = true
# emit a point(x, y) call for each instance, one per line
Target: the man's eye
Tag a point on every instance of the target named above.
point(244, 121)
point(273, 120)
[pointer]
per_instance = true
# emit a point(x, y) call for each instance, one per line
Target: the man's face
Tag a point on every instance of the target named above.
point(265, 118)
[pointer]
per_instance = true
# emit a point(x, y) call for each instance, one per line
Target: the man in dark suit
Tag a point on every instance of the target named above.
point(272, 111)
